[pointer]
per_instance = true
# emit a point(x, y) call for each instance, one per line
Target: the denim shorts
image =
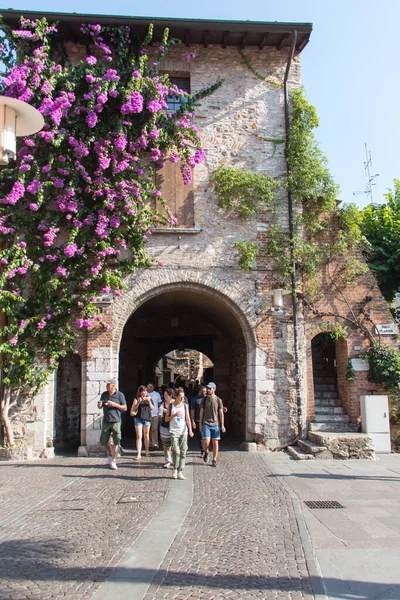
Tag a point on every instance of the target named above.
point(211, 431)
point(139, 421)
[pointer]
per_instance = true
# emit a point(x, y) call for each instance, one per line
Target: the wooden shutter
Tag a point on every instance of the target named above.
point(178, 197)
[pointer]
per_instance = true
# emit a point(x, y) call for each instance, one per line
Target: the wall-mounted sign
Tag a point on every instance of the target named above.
point(359, 364)
point(387, 329)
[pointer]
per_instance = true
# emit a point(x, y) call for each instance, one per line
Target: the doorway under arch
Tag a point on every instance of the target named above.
point(324, 364)
point(182, 319)
point(67, 410)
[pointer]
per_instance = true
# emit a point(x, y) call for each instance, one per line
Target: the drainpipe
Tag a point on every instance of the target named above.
point(291, 242)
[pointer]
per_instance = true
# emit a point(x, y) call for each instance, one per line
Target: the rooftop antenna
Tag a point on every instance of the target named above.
point(370, 178)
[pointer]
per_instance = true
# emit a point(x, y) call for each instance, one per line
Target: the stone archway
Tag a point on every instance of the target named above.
point(189, 314)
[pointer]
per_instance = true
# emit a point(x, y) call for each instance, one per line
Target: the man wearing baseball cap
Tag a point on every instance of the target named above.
point(211, 415)
point(112, 402)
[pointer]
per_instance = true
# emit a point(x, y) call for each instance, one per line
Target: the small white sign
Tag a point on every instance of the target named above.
point(359, 364)
point(387, 329)
point(104, 299)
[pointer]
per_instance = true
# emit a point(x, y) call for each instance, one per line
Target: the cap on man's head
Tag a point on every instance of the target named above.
point(211, 385)
point(111, 381)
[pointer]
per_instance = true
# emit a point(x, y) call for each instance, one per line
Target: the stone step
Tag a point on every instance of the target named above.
point(325, 387)
point(324, 373)
point(318, 451)
point(333, 427)
point(344, 445)
point(324, 379)
point(327, 402)
point(298, 454)
point(331, 417)
point(329, 410)
point(318, 395)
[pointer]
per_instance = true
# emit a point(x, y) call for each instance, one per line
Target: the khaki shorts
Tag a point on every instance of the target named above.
point(113, 429)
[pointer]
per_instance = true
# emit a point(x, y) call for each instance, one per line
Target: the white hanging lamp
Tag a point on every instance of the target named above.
point(17, 119)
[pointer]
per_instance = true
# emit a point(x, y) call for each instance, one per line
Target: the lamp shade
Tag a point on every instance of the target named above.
point(17, 119)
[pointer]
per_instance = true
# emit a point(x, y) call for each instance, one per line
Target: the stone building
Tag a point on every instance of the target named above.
point(199, 298)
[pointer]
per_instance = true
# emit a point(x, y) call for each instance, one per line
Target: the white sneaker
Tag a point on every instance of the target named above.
point(113, 465)
point(109, 459)
point(181, 475)
point(174, 474)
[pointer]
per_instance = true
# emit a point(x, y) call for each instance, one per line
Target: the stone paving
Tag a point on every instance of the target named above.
point(71, 522)
point(240, 539)
point(357, 546)
point(66, 523)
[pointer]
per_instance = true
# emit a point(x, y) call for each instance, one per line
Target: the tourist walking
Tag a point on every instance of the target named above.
point(141, 411)
point(156, 399)
point(195, 404)
point(164, 426)
point(211, 422)
point(113, 404)
point(179, 426)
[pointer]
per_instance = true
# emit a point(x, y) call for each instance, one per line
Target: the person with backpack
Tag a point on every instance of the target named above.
point(211, 422)
point(195, 404)
point(113, 404)
point(179, 425)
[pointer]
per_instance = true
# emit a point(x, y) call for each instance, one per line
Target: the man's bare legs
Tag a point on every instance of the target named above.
point(206, 446)
point(112, 451)
point(215, 447)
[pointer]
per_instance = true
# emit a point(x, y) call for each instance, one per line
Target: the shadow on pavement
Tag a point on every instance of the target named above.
point(23, 561)
point(335, 476)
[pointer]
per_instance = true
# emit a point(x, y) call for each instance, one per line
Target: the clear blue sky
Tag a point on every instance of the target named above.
point(350, 71)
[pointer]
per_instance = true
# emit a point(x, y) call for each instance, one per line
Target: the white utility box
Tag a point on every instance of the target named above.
point(375, 421)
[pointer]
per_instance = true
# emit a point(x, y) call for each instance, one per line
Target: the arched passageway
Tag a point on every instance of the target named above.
point(186, 367)
point(187, 319)
point(67, 410)
point(324, 371)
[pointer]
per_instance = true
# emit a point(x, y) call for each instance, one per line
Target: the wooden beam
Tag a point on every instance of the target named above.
point(225, 39)
point(300, 47)
point(206, 37)
point(187, 38)
point(263, 41)
point(283, 38)
point(243, 40)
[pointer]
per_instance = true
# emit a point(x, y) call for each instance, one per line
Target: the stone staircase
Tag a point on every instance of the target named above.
point(331, 434)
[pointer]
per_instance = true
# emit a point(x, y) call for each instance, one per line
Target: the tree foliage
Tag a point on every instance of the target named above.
point(380, 224)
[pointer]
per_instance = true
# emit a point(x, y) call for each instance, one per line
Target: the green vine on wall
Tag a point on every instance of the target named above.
point(247, 253)
point(350, 372)
point(242, 191)
point(257, 73)
point(325, 236)
point(274, 141)
point(384, 368)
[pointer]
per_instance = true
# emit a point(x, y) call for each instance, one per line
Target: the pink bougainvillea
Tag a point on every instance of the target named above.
point(81, 191)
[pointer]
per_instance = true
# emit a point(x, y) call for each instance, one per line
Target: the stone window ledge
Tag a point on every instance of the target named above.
point(176, 230)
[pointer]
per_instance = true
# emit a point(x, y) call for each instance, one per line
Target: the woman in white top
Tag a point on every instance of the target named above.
point(179, 426)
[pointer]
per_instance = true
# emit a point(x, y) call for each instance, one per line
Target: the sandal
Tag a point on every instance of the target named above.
point(137, 457)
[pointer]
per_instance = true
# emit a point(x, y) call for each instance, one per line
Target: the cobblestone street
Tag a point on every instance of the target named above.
point(68, 522)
